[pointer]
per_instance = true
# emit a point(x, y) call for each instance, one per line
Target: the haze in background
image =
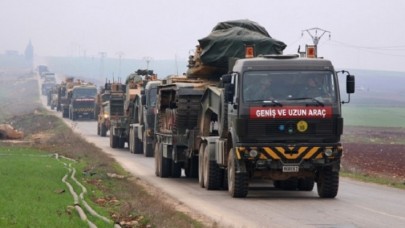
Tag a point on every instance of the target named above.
point(365, 34)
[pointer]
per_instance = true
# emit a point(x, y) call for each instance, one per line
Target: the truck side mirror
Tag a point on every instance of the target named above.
point(350, 84)
point(143, 100)
point(229, 92)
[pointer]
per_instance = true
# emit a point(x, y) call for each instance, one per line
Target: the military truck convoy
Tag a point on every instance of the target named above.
point(75, 99)
point(243, 111)
point(128, 123)
point(209, 123)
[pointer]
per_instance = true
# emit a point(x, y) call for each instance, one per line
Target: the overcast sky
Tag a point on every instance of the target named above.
point(364, 34)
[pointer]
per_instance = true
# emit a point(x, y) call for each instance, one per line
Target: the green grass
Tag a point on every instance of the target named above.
point(374, 116)
point(373, 179)
point(30, 190)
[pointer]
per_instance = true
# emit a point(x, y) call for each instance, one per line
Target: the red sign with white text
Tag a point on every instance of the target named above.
point(290, 112)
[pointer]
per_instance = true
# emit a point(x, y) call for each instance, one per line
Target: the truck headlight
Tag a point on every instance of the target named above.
point(328, 152)
point(106, 116)
point(253, 153)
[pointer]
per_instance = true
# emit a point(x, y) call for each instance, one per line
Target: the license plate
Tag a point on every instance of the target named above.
point(291, 169)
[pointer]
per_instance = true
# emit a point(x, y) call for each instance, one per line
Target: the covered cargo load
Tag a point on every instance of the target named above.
point(228, 40)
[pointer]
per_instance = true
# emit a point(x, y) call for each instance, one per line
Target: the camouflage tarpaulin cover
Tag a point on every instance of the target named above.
point(228, 39)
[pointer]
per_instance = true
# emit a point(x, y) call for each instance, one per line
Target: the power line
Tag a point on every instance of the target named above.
point(369, 49)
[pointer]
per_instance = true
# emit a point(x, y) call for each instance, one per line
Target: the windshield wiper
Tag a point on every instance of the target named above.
point(308, 98)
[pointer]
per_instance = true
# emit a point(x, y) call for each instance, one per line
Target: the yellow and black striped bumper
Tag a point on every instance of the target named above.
point(288, 154)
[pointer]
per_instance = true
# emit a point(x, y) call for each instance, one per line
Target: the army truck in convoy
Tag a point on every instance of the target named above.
point(101, 113)
point(63, 99)
point(119, 129)
point(82, 99)
point(220, 124)
point(141, 133)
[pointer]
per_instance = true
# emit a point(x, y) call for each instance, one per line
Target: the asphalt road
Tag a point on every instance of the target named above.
point(357, 204)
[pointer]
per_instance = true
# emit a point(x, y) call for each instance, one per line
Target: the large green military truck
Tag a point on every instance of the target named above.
point(120, 124)
point(219, 123)
point(141, 133)
point(117, 117)
point(82, 101)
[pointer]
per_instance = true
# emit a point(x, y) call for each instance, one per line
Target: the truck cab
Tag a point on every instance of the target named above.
point(284, 123)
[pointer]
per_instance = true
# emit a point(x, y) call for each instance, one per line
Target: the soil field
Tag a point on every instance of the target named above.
point(375, 151)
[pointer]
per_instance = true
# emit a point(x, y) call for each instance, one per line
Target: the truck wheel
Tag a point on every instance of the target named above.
point(201, 164)
point(212, 172)
point(74, 116)
point(121, 142)
point(113, 141)
point(306, 184)
point(157, 159)
point(327, 183)
point(65, 113)
point(191, 168)
point(147, 147)
point(164, 164)
point(138, 144)
point(176, 169)
point(237, 182)
point(103, 130)
point(98, 129)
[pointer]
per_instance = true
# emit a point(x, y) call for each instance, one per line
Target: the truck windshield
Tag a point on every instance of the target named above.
point(305, 86)
point(84, 92)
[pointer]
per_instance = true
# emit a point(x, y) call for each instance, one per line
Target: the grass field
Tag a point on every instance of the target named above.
point(374, 116)
point(32, 191)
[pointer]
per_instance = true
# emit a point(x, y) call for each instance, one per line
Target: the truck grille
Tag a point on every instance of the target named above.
point(288, 127)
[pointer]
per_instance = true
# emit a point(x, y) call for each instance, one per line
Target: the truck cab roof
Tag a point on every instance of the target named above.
point(282, 62)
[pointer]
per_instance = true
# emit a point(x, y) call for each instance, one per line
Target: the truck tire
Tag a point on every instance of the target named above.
point(103, 131)
point(201, 164)
point(113, 140)
point(98, 129)
point(65, 113)
point(176, 169)
point(121, 142)
point(237, 182)
point(327, 183)
point(191, 169)
point(223, 118)
point(157, 159)
point(212, 172)
point(138, 144)
point(147, 147)
point(164, 164)
point(306, 184)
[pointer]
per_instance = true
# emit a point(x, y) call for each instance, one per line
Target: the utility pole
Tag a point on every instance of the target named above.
point(316, 35)
point(147, 59)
